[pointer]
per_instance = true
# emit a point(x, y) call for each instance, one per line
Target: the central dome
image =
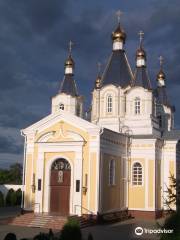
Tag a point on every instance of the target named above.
point(119, 34)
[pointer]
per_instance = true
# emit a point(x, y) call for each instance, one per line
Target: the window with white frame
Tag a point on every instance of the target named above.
point(61, 106)
point(137, 174)
point(109, 103)
point(137, 106)
point(112, 172)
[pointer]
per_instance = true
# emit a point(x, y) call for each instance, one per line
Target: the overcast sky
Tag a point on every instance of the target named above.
point(34, 35)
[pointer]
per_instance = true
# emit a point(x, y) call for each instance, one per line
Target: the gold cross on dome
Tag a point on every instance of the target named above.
point(119, 14)
point(70, 46)
point(161, 60)
point(141, 36)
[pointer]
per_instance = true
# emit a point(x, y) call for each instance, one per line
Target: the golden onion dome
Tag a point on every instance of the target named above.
point(98, 82)
point(140, 53)
point(69, 62)
point(161, 75)
point(119, 34)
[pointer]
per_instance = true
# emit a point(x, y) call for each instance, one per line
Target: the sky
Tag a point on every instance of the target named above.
point(34, 38)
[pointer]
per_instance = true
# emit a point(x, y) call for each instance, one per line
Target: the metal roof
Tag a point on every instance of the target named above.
point(172, 135)
point(117, 71)
point(141, 78)
point(161, 95)
point(68, 85)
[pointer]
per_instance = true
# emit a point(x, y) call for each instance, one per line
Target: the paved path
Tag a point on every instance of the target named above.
point(122, 230)
point(21, 232)
point(6, 212)
point(116, 231)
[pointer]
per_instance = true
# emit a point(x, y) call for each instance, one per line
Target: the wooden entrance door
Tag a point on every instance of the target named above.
point(60, 183)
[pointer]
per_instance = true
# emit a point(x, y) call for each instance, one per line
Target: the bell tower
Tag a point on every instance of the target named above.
point(68, 98)
point(164, 110)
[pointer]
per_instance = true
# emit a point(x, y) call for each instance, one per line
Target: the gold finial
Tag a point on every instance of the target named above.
point(70, 47)
point(98, 79)
point(119, 14)
point(161, 75)
point(119, 34)
point(141, 36)
point(69, 61)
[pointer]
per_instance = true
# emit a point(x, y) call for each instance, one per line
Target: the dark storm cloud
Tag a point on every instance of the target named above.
point(8, 145)
point(33, 46)
point(16, 118)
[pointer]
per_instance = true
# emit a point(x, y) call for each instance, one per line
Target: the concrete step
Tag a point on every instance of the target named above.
point(47, 221)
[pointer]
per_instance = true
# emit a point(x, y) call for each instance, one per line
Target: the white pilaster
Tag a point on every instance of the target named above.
point(39, 175)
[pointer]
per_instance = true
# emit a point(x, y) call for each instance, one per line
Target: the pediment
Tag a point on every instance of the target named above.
point(60, 135)
point(47, 123)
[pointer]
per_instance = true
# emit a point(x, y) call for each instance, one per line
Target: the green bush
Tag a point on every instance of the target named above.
point(1, 199)
point(18, 197)
point(10, 236)
point(11, 198)
point(90, 236)
point(71, 230)
point(172, 222)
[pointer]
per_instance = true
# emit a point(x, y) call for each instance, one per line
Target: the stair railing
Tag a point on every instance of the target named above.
point(34, 204)
point(83, 208)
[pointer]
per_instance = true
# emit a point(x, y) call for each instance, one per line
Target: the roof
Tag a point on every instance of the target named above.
point(141, 78)
point(172, 135)
point(118, 71)
point(144, 136)
point(68, 85)
point(161, 95)
point(53, 118)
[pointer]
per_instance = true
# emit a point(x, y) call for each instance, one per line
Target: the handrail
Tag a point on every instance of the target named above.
point(75, 207)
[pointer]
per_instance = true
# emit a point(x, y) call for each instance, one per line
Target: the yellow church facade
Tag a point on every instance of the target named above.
point(118, 158)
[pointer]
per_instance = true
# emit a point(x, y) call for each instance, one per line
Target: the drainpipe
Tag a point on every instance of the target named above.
point(97, 121)
point(100, 170)
point(119, 109)
point(24, 166)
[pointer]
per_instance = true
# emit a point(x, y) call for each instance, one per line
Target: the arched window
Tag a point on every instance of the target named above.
point(112, 172)
point(109, 104)
point(137, 107)
point(61, 106)
point(137, 174)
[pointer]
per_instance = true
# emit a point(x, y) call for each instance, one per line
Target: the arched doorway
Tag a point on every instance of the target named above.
point(60, 182)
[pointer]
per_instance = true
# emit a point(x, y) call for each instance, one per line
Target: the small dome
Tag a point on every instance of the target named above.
point(69, 62)
point(119, 34)
point(161, 75)
point(98, 82)
point(140, 53)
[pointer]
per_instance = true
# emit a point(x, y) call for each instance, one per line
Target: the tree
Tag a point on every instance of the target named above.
point(1, 199)
point(71, 230)
point(11, 176)
point(18, 197)
point(15, 173)
point(173, 219)
point(172, 194)
point(11, 198)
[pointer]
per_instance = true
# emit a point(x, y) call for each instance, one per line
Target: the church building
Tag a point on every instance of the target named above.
point(120, 158)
